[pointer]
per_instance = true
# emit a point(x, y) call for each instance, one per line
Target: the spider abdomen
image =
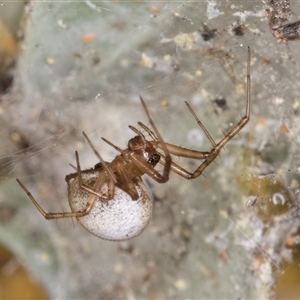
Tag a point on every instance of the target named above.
point(118, 219)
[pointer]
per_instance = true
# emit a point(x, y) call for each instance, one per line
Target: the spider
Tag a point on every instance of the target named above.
point(110, 200)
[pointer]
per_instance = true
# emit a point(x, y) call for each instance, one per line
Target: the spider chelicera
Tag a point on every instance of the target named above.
point(111, 200)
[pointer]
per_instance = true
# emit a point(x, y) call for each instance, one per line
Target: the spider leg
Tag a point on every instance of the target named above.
point(176, 168)
point(143, 166)
point(177, 150)
point(208, 156)
point(141, 163)
point(150, 132)
point(244, 120)
point(168, 158)
point(94, 193)
point(126, 184)
point(100, 157)
point(234, 131)
point(96, 190)
point(184, 152)
point(138, 133)
point(111, 144)
point(32, 199)
point(60, 215)
point(200, 124)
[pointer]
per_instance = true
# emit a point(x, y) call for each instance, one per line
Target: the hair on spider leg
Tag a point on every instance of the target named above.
point(73, 167)
point(110, 200)
point(73, 222)
point(63, 211)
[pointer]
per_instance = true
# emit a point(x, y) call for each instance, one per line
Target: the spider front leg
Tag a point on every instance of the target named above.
point(233, 132)
point(177, 150)
point(168, 159)
point(210, 156)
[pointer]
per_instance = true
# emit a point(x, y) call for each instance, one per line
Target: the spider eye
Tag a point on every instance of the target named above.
point(154, 159)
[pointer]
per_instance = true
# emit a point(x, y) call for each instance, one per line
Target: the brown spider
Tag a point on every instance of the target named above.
point(111, 200)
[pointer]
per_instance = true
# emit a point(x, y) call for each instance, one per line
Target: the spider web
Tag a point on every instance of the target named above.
point(82, 67)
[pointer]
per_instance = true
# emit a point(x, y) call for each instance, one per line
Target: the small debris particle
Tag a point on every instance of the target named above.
point(62, 24)
point(118, 268)
point(238, 30)
point(284, 129)
point(251, 201)
point(50, 61)
point(186, 40)
point(181, 284)
point(89, 37)
point(146, 61)
point(239, 89)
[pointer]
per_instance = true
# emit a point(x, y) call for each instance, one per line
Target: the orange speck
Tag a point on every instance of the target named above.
point(164, 103)
point(77, 55)
point(290, 241)
point(284, 129)
point(266, 60)
point(206, 185)
point(261, 121)
point(8, 43)
point(251, 139)
point(89, 37)
point(224, 256)
point(154, 9)
point(257, 262)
